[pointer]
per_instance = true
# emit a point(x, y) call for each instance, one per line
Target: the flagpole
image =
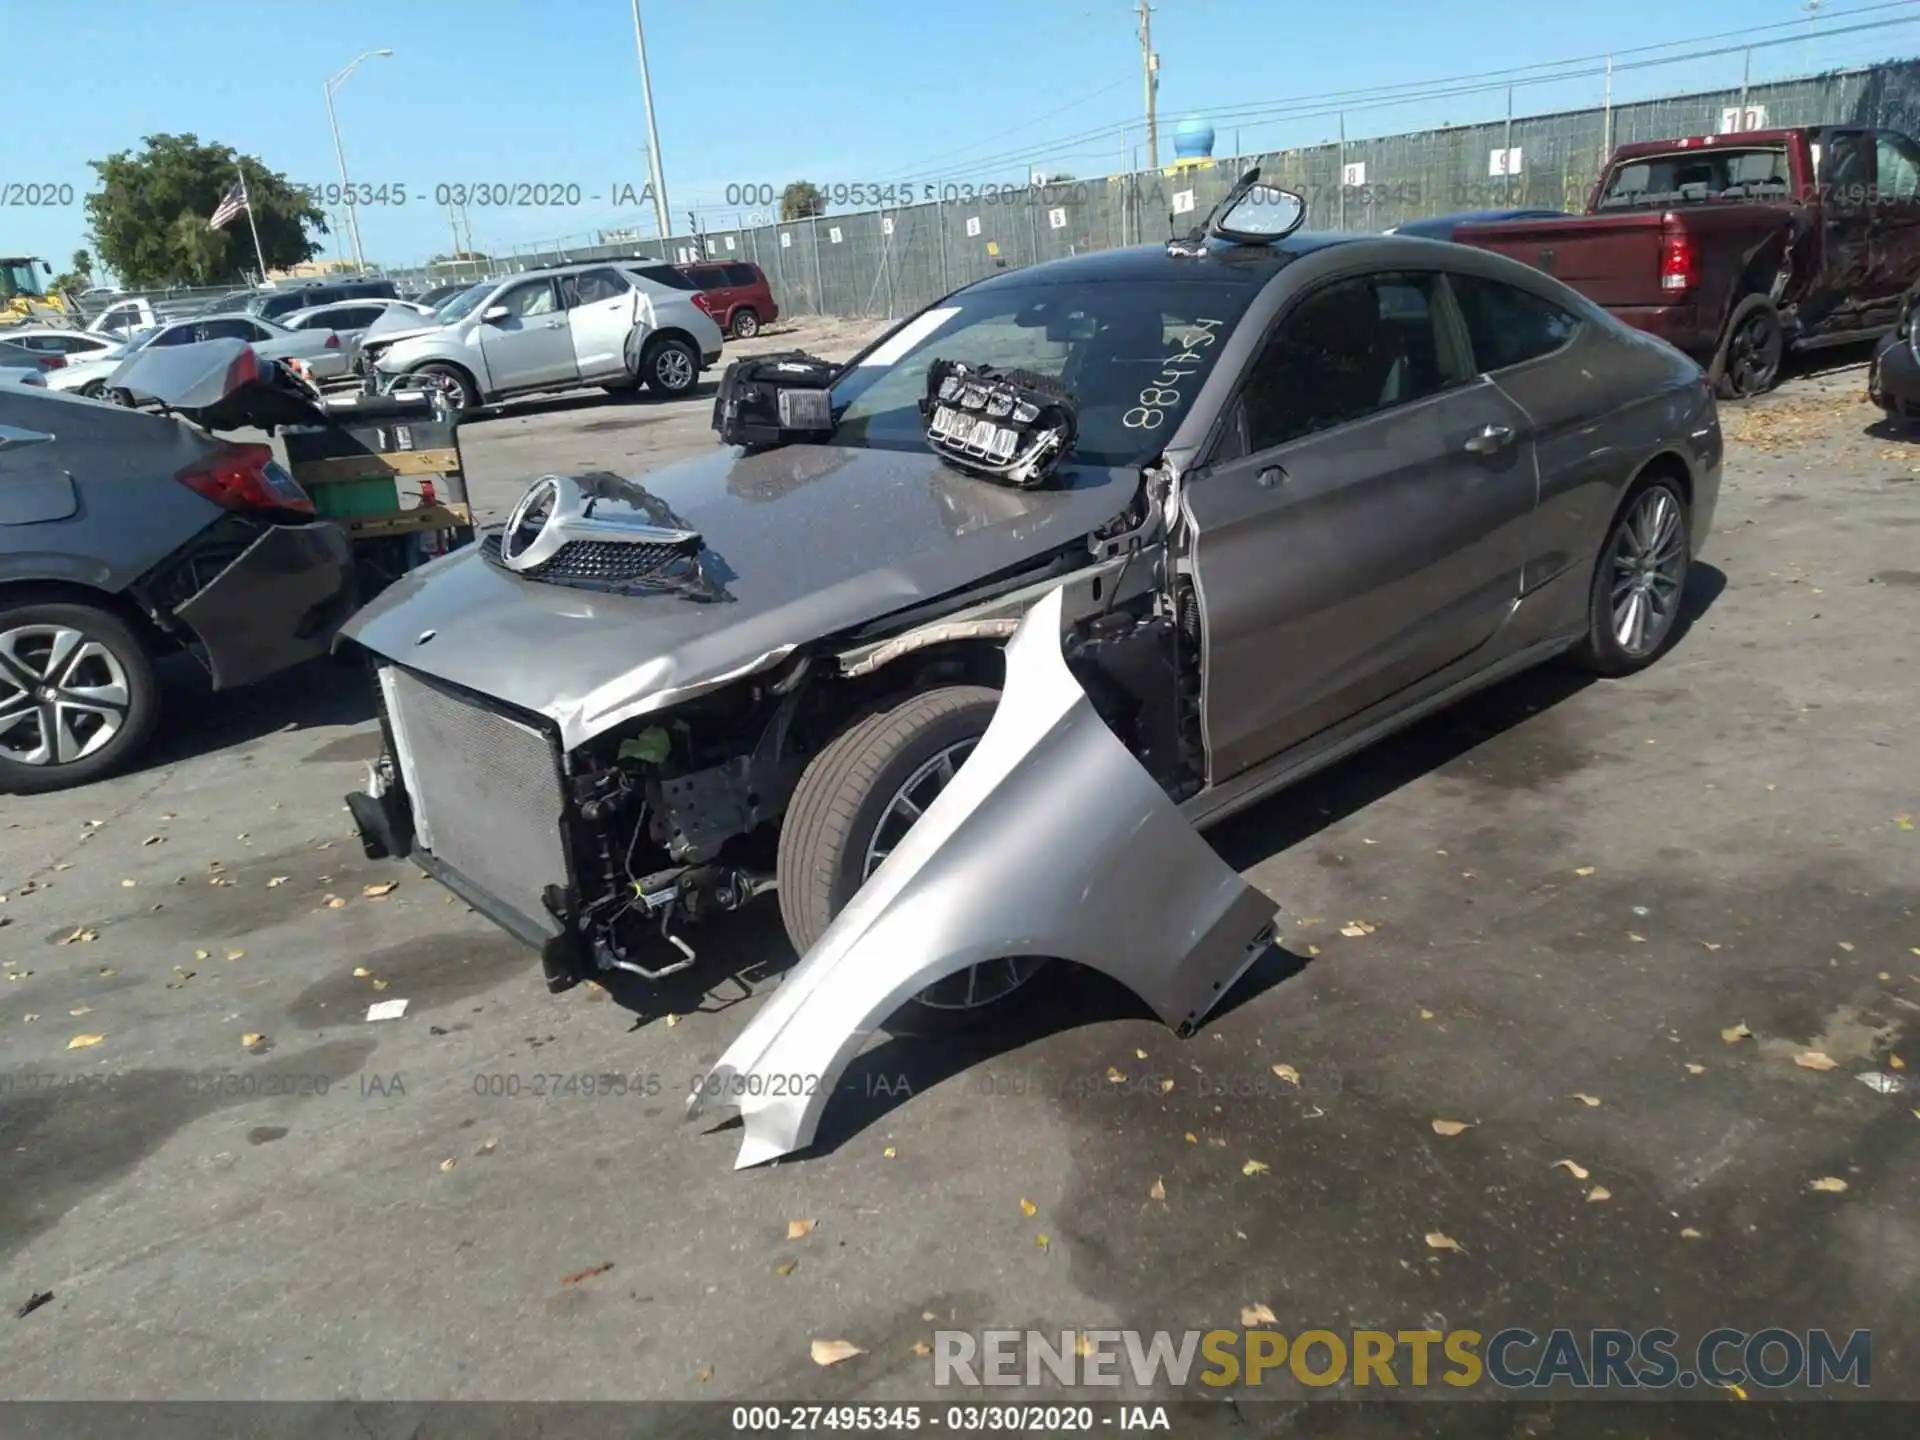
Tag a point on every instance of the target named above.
point(246, 202)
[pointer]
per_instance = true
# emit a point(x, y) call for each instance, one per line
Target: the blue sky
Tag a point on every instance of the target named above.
point(760, 92)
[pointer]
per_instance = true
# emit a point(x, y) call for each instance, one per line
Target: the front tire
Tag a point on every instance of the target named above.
point(856, 799)
point(1634, 601)
point(78, 697)
point(671, 368)
point(461, 392)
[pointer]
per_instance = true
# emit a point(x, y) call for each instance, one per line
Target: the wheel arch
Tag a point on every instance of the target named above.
point(41, 591)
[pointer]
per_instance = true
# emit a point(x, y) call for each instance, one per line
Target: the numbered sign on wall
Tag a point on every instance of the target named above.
point(1736, 118)
point(833, 234)
point(1503, 162)
point(786, 240)
point(1354, 174)
point(973, 225)
point(1182, 201)
point(730, 244)
point(886, 224)
point(1057, 218)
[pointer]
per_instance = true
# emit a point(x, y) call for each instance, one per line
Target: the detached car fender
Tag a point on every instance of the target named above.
point(1051, 841)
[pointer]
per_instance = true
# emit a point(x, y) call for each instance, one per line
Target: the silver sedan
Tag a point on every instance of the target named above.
point(323, 351)
point(350, 320)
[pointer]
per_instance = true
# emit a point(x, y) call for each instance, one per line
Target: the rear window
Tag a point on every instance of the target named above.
point(742, 275)
point(665, 275)
point(709, 277)
point(1692, 176)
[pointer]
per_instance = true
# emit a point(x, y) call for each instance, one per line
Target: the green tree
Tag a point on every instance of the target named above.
point(78, 276)
point(137, 211)
point(801, 199)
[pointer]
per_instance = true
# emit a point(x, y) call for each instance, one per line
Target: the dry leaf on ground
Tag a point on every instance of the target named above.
point(1166, 1085)
point(587, 1274)
point(1814, 1060)
point(1028, 1208)
point(1114, 1075)
point(1590, 1101)
point(236, 954)
point(1354, 929)
point(361, 972)
point(385, 887)
point(1689, 1233)
point(84, 1042)
point(800, 1229)
point(786, 1268)
point(1734, 1034)
point(832, 1352)
point(275, 882)
point(1045, 1242)
point(1828, 1184)
point(1440, 1240)
point(448, 1163)
point(251, 1038)
point(920, 1347)
point(703, 1374)
point(1598, 1193)
point(1287, 1073)
point(1572, 1167)
point(1256, 1314)
point(1255, 1167)
point(1159, 1190)
point(1449, 1127)
point(1693, 1069)
point(488, 1145)
point(1584, 871)
point(80, 1010)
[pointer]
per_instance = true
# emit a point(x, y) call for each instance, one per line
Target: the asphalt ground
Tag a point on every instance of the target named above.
point(1599, 923)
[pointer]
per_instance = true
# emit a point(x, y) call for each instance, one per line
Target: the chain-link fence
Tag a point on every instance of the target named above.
point(891, 262)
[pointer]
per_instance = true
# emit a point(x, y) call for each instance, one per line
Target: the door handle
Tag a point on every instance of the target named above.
point(1270, 477)
point(555, 324)
point(1489, 439)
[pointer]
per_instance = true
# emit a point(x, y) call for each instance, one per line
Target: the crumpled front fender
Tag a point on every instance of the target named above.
point(1052, 840)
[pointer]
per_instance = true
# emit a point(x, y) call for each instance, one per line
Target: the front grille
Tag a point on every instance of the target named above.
point(610, 564)
point(485, 789)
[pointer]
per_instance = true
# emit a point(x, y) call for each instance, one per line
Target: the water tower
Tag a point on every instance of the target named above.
point(1192, 142)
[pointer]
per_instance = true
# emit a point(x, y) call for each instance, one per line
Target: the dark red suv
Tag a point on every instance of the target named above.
point(735, 294)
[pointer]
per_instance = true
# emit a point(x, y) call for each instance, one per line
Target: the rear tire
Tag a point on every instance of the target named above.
point(845, 808)
point(746, 323)
point(670, 367)
point(1748, 361)
point(103, 659)
point(1648, 552)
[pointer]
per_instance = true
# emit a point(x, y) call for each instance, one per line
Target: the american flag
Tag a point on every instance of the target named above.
point(231, 204)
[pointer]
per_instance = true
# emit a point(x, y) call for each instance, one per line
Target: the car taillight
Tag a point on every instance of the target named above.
point(52, 362)
point(704, 301)
point(333, 341)
point(1679, 261)
point(246, 477)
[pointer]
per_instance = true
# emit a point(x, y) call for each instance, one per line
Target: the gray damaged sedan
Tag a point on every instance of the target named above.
point(964, 692)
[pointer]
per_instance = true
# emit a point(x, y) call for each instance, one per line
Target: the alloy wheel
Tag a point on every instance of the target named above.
point(1754, 356)
point(978, 984)
point(673, 368)
point(1649, 565)
point(63, 695)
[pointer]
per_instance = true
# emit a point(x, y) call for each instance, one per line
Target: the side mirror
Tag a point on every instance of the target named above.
point(1264, 212)
point(494, 314)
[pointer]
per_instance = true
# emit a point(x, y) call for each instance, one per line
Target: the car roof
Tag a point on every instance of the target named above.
point(1219, 261)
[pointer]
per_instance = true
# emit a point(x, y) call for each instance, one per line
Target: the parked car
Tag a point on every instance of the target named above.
point(326, 357)
point(89, 375)
point(124, 536)
point(1893, 376)
point(20, 356)
point(558, 329)
point(735, 293)
point(274, 303)
point(350, 320)
point(72, 345)
point(1739, 248)
point(1318, 487)
point(1441, 227)
point(439, 295)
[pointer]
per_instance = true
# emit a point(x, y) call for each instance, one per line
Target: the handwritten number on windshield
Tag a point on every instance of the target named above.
point(1163, 394)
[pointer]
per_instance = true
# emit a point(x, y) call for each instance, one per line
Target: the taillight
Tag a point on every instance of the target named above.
point(52, 362)
point(246, 477)
point(1679, 261)
point(333, 341)
point(704, 301)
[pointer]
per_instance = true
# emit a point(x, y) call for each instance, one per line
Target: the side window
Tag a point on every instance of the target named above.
point(234, 329)
point(1844, 165)
point(590, 287)
point(666, 275)
point(742, 275)
point(529, 300)
point(180, 335)
point(1354, 348)
point(1899, 162)
point(1509, 326)
point(255, 332)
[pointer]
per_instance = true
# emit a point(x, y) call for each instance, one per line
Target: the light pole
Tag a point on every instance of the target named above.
point(660, 211)
point(346, 190)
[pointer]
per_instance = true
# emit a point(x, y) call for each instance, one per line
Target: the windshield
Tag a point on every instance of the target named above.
point(17, 278)
point(461, 304)
point(142, 338)
point(1134, 354)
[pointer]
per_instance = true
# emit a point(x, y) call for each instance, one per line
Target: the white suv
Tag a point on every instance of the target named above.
point(615, 324)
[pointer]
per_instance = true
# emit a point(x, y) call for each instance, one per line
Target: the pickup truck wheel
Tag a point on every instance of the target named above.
point(1749, 360)
point(78, 697)
point(855, 801)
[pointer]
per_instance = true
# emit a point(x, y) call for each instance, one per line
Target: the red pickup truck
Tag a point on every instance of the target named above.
point(1738, 247)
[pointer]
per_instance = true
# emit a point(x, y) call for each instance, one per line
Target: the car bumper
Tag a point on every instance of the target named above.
point(1893, 379)
point(1678, 325)
point(273, 605)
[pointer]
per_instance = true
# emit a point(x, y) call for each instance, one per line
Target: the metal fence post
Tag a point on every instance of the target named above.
point(1506, 153)
point(1343, 170)
point(819, 285)
point(940, 232)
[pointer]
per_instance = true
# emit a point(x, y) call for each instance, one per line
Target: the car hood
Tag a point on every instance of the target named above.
point(803, 542)
point(399, 325)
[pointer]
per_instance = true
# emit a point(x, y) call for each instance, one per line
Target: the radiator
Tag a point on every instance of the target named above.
point(484, 787)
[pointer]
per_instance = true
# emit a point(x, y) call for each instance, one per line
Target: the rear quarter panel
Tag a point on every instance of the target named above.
point(130, 511)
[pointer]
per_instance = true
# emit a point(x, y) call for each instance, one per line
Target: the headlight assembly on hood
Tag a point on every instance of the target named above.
point(1005, 425)
point(775, 400)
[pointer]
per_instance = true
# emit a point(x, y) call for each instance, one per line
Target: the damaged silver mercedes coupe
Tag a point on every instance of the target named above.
point(965, 643)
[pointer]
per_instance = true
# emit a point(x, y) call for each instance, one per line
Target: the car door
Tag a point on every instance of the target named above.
point(529, 346)
point(1896, 231)
point(1362, 523)
point(1844, 176)
point(600, 314)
